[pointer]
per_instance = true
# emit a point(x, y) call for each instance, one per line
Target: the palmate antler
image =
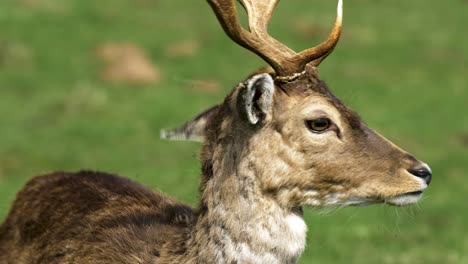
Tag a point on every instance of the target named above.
point(284, 61)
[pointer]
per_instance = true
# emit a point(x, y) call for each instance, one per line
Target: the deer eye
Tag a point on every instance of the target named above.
point(318, 125)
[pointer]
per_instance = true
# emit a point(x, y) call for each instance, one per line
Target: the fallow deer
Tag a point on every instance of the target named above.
point(279, 142)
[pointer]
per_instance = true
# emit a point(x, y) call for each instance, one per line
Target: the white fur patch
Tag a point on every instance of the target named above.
point(333, 198)
point(297, 232)
point(246, 255)
point(280, 239)
point(311, 195)
point(357, 201)
point(405, 199)
point(311, 192)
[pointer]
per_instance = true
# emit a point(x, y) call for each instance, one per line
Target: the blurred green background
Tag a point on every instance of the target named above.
point(66, 105)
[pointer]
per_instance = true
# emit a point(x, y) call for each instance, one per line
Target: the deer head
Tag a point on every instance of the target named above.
point(306, 147)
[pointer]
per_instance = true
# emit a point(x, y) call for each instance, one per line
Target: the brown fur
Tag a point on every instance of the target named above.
point(367, 159)
point(261, 163)
point(255, 180)
point(90, 217)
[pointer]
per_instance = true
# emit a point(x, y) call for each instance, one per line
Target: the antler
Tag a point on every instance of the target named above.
point(285, 61)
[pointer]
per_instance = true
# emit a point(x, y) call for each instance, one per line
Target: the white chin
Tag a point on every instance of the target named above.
point(405, 199)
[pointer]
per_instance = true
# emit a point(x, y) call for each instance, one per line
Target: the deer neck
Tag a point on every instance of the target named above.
point(237, 222)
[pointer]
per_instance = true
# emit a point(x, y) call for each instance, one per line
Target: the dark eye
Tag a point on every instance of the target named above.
point(318, 125)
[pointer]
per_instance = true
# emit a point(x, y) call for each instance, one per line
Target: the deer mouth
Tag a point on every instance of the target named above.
point(414, 193)
point(405, 199)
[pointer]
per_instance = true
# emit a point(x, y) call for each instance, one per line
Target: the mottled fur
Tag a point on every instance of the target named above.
point(90, 217)
point(256, 177)
point(261, 164)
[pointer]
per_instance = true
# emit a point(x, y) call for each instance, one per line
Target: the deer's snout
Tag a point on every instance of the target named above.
point(423, 172)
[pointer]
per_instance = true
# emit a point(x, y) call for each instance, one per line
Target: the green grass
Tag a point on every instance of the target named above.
point(403, 65)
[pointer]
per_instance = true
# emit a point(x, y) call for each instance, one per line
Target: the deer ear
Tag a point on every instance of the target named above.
point(255, 98)
point(193, 130)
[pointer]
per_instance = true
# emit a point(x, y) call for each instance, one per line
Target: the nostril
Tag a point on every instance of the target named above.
point(425, 173)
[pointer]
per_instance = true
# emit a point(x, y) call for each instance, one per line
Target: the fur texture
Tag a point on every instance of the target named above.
point(256, 177)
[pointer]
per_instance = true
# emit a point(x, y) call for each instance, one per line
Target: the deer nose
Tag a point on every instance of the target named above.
point(424, 173)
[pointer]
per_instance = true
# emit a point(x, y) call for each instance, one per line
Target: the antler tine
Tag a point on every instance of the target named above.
point(259, 12)
point(317, 54)
point(226, 13)
point(257, 40)
point(284, 60)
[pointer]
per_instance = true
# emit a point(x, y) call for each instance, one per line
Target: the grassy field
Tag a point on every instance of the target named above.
point(402, 64)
